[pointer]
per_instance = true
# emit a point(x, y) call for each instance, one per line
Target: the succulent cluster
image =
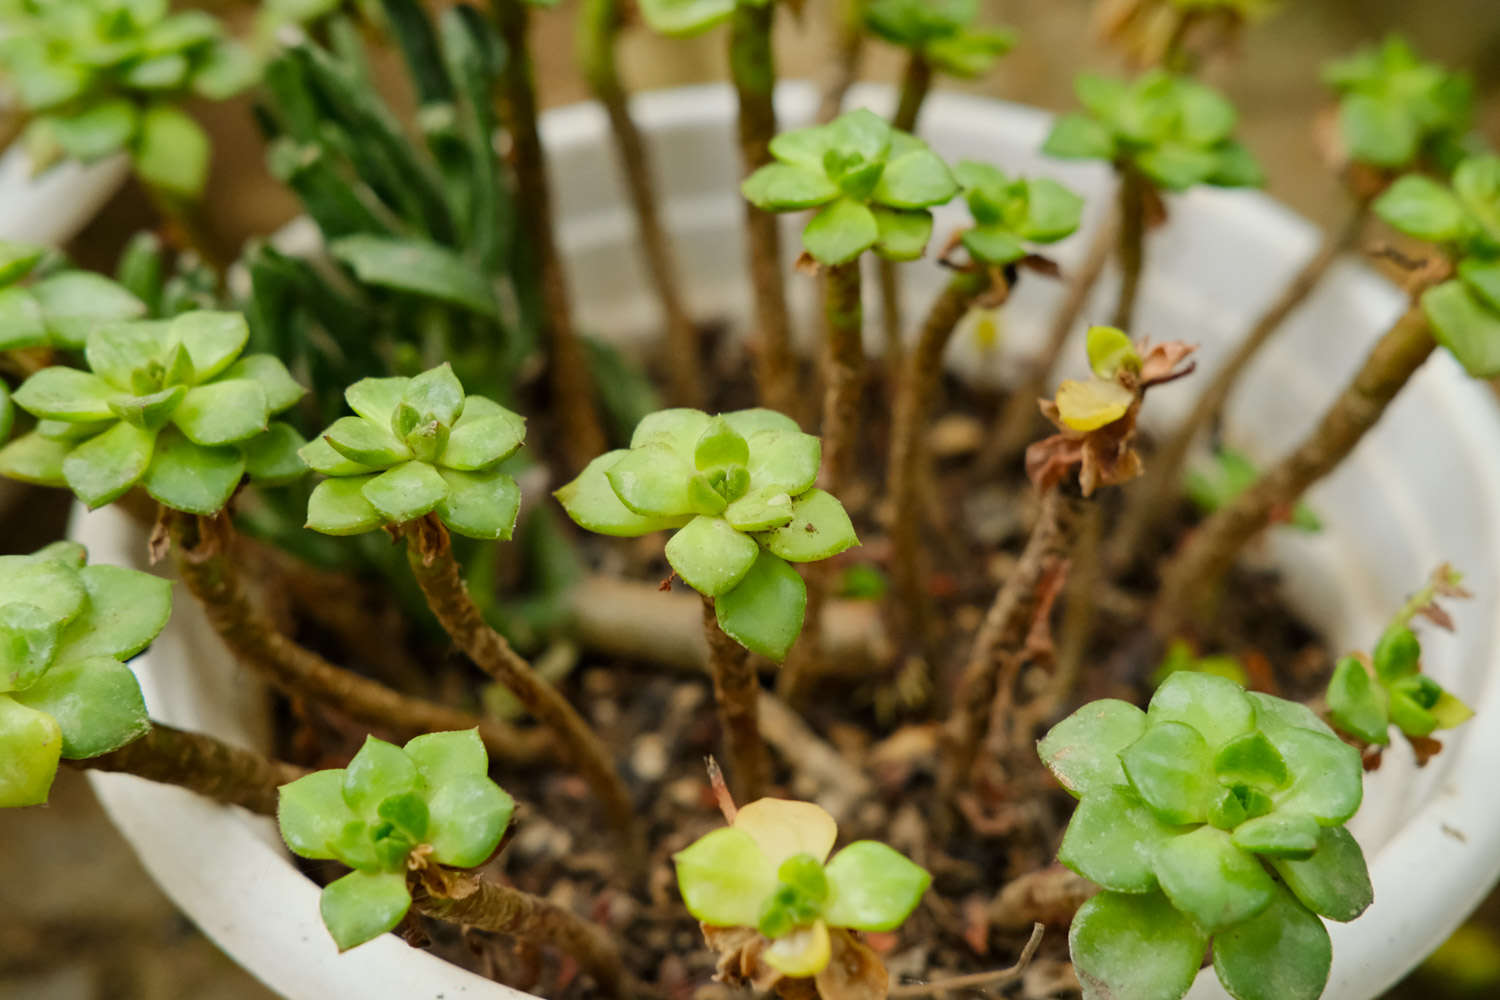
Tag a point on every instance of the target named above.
point(1463, 216)
point(942, 32)
point(738, 487)
point(65, 628)
point(45, 303)
point(416, 446)
point(1174, 131)
point(1151, 31)
point(769, 870)
point(393, 809)
point(1010, 212)
point(102, 76)
point(1396, 109)
point(873, 186)
point(1213, 817)
point(168, 404)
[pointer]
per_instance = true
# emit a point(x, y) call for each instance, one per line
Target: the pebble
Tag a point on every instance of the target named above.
point(648, 758)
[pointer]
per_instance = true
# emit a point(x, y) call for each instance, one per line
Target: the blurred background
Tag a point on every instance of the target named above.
point(80, 920)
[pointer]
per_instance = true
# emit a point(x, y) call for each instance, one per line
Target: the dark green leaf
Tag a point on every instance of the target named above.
point(419, 268)
point(1356, 704)
point(1135, 946)
point(1281, 954)
point(480, 504)
point(1112, 840)
point(1469, 328)
point(1334, 881)
point(101, 469)
point(786, 187)
point(95, 701)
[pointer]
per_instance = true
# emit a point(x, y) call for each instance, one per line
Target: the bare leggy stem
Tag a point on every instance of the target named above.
point(1190, 582)
point(203, 552)
point(1150, 498)
point(843, 371)
point(430, 554)
point(914, 88)
point(572, 385)
point(599, 28)
point(752, 68)
point(201, 764)
point(1004, 628)
point(1132, 249)
point(472, 901)
point(1019, 416)
point(849, 26)
point(737, 693)
point(918, 381)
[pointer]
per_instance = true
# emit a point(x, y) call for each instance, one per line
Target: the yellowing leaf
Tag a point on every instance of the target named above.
point(802, 953)
point(1087, 406)
point(783, 828)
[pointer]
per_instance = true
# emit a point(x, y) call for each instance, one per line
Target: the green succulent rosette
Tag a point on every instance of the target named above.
point(1366, 701)
point(685, 18)
point(942, 32)
point(433, 796)
point(416, 446)
point(166, 404)
point(100, 77)
point(45, 303)
point(1464, 217)
point(65, 692)
point(1214, 817)
point(1396, 109)
point(1011, 212)
point(1176, 132)
point(738, 489)
point(872, 185)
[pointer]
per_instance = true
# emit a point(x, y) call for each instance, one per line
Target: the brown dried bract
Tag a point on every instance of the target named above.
point(854, 972)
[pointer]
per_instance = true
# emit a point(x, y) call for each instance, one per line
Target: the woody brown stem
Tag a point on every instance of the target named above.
point(916, 389)
point(572, 385)
point(600, 27)
point(752, 69)
point(204, 556)
point(475, 902)
point(1132, 248)
point(1005, 627)
point(843, 370)
point(1191, 580)
point(1150, 499)
point(201, 764)
point(1014, 431)
point(737, 693)
point(430, 555)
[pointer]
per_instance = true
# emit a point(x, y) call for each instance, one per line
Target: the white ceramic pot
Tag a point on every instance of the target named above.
point(1424, 487)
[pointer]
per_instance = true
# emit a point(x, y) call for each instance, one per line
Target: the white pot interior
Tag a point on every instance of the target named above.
point(1423, 487)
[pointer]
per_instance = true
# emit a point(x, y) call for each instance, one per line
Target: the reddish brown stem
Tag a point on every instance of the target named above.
point(737, 692)
point(843, 371)
point(1132, 250)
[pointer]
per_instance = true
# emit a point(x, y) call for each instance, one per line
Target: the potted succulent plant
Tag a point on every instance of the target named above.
point(369, 455)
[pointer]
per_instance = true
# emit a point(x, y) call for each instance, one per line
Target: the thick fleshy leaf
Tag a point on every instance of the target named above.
point(1379, 132)
point(757, 419)
point(339, 507)
point(406, 492)
point(1079, 137)
point(1112, 840)
point(77, 302)
point(820, 528)
point(1092, 403)
point(1135, 946)
point(1211, 880)
point(784, 459)
point(1334, 881)
point(592, 503)
point(678, 428)
point(117, 350)
point(378, 771)
point(66, 394)
point(469, 815)
point(681, 18)
point(96, 703)
point(417, 267)
point(376, 399)
point(1083, 750)
point(710, 555)
point(172, 152)
point(29, 639)
point(918, 179)
point(1215, 706)
point(1273, 714)
point(485, 434)
point(786, 187)
point(1450, 711)
point(994, 245)
point(1175, 166)
point(33, 458)
point(442, 757)
point(1052, 211)
point(152, 411)
point(224, 412)
point(52, 586)
point(362, 906)
point(785, 828)
point(1171, 767)
point(652, 480)
point(190, 477)
point(102, 468)
point(1279, 834)
point(434, 395)
point(321, 457)
point(311, 813)
point(760, 510)
point(1398, 653)
point(30, 743)
point(872, 887)
point(1250, 759)
point(903, 235)
point(1283, 953)
point(126, 610)
point(802, 953)
point(1109, 350)
point(725, 878)
point(282, 391)
point(840, 232)
point(1483, 279)
point(21, 321)
point(1419, 206)
point(272, 459)
point(1357, 704)
point(480, 505)
point(764, 612)
point(720, 445)
point(18, 259)
point(1468, 327)
point(1327, 777)
point(365, 443)
point(213, 340)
